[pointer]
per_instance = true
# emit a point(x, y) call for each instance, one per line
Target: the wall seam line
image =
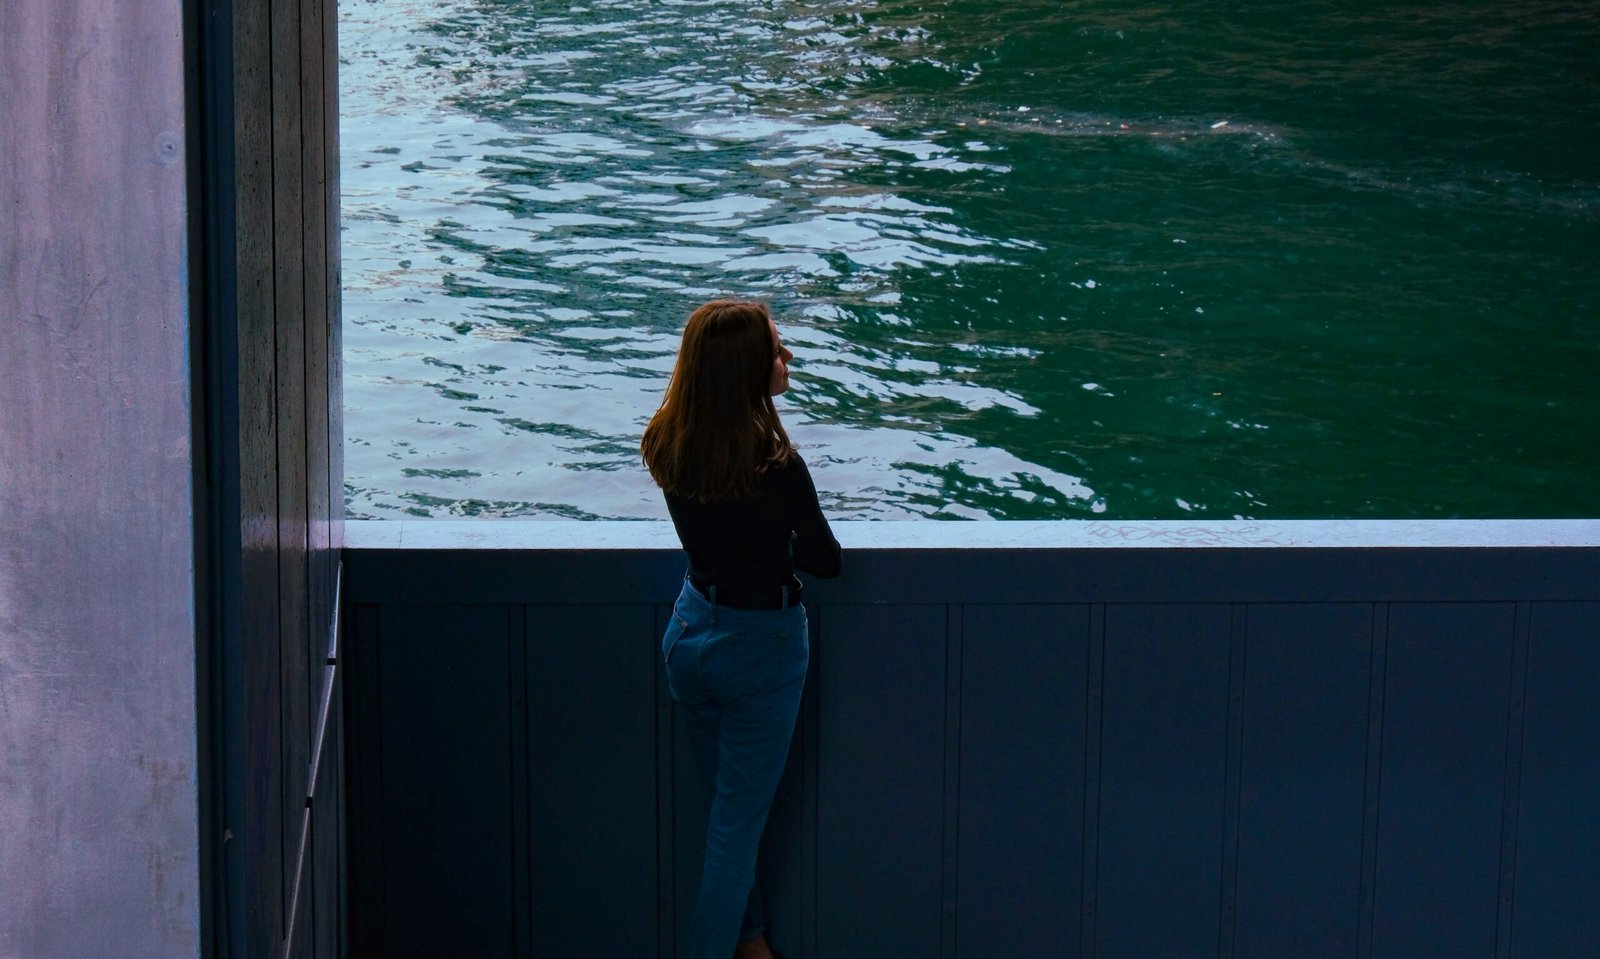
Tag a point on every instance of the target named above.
point(1511, 798)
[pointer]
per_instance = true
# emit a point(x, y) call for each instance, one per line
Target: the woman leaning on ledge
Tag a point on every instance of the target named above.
point(736, 647)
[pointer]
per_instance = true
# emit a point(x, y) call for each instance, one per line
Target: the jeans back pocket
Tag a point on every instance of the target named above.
point(744, 663)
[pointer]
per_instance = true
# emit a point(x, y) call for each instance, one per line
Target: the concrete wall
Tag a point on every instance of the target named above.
point(99, 846)
point(1055, 739)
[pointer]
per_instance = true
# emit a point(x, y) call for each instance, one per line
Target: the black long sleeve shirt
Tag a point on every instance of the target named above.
point(750, 547)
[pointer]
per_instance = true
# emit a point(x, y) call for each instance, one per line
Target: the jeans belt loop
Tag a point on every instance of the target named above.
point(712, 589)
point(785, 597)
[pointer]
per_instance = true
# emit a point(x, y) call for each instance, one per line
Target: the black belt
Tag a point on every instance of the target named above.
point(765, 597)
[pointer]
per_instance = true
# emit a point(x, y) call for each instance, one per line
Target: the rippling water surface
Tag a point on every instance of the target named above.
point(1036, 259)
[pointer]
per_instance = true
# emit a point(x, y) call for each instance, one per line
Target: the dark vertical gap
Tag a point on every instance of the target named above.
point(272, 414)
point(1227, 925)
point(666, 821)
point(220, 742)
point(520, 826)
point(954, 627)
point(1373, 781)
point(1088, 944)
point(1521, 640)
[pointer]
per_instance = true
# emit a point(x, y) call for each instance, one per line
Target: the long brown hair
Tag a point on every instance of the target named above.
point(717, 430)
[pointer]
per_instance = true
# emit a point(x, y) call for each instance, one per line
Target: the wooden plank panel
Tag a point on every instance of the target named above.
point(666, 800)
point(1020, 842)
point(297, 704)
point(363, 786)
point(1307, 672)
point(521, 846)
point(318, 114)
point(333, 293)
point(690, 811)
point(289, 322)
point(880, 769)
point(446, 781)
point(1444, 728)
point(1162, 762)
point(591, 675)
point(260, 829)
point(1249, 574)
point(494, 561)
point(326, 838)
point(783, 849)
point(1557, 905)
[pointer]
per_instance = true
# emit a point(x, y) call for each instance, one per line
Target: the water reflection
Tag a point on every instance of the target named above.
point(1043, 272)
point(582, 185)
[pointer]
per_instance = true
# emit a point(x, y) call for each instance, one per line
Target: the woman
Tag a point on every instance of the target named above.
point(736, 647)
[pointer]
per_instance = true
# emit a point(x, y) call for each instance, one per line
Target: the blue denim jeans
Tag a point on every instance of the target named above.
point(737, 675)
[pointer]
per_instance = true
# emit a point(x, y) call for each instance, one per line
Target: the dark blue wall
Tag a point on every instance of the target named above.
point(1253, 752)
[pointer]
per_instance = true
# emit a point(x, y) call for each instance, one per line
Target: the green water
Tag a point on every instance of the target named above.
point(1036, 259)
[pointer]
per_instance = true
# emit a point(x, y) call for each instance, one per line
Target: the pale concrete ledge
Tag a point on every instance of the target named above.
point(490, 534)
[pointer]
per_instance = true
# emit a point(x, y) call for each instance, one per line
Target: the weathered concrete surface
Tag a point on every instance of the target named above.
point(98, 821)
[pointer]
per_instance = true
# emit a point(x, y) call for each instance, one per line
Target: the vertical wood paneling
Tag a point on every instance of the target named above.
point(446, 773)
point(1233, 770)
point(1510, 794)
point(950, 800)
point(1448, 684)
point(1163, 749)
point(1557, 886)
point(363, 680)
point(1093, 723)
point(288, 213)
point(259, 820)
point(516, 682)
point(323, 870)
point(591, 676)
point(666, 797)
point(1305, 743)
point(321, 560)
point(332, 266)
point(881, 685)
point(1372, 785)
point(690, 811)
point(284, 212)
point(987, 780)
point(1023, 698)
